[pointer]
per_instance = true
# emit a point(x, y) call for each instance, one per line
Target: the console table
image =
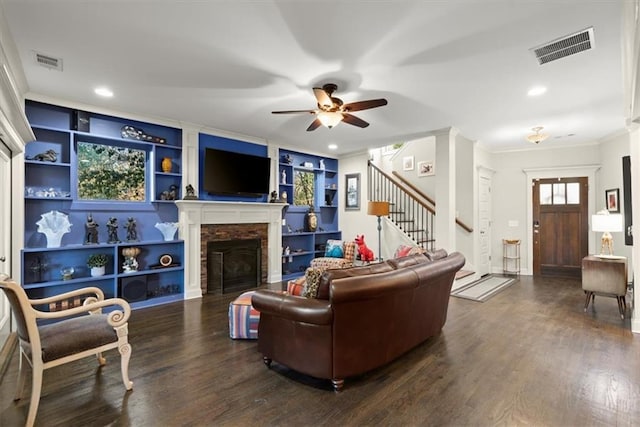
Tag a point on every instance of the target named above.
point(605, 275)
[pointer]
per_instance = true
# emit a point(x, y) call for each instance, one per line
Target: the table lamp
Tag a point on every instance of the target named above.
point(379, 209)
point(606, 223)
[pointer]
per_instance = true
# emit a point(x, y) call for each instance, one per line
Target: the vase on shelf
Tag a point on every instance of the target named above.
point(54, 225)
point(168, 229)
point(166, 165)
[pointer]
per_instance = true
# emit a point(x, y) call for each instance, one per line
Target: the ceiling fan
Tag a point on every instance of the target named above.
point(331, 111)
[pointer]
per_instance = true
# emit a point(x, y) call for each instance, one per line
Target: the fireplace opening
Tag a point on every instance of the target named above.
point(233, 265)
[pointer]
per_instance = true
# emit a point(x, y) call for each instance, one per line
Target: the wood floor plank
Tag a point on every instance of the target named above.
point(528, 356)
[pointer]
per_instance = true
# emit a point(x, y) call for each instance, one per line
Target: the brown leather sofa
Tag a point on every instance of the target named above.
point(363, 317)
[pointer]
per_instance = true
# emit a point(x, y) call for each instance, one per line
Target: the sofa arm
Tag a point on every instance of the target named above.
point(299, 309)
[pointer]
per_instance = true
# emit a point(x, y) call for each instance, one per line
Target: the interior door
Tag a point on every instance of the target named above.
point(484, 225)
point(560, 226)
point(5, 238)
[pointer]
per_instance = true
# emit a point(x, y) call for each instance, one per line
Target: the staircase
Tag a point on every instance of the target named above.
point(412, 211)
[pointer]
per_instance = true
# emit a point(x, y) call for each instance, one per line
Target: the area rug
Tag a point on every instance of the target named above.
point(483, 288)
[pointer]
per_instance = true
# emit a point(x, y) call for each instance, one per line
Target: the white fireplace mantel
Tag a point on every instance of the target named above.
point(194, 213)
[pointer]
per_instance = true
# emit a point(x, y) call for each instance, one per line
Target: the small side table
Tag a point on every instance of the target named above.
point(511, 256)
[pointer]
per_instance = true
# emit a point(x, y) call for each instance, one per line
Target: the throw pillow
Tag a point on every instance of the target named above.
point(334, 249)
point(312, 277)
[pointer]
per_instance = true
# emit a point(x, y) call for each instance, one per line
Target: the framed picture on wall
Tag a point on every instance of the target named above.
point(426, 169)
point(407, 163)
point(352, 192)
point(613, 200)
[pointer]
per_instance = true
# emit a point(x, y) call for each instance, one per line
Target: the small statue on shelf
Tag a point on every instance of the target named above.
point(91, 231)
point(190, 193)
point(112, 226)
point(274, 197)
point(47, 156)
point(132, 230)
point(170, 194)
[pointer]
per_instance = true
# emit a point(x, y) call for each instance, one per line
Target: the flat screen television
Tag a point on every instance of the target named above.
point(229, 173)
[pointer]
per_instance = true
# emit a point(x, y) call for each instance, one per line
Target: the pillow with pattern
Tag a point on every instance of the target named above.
point(312, 276)
point(406, 250)
point(334, 249)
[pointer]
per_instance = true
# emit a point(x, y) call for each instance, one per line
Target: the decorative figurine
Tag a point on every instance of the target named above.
point(283, 197)
point(170, 194)
point(112, 226)
point(322, 164)
point(91, 231)
point(47, 156)
point(130, 264)
point(54, 225)
point(132, 230)
point(274, 197)
point(191, 193)
point(287, 159)
point(284, 176)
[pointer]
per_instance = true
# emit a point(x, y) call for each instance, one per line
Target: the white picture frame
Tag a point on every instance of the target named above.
point(407, 163)
point(426, 168)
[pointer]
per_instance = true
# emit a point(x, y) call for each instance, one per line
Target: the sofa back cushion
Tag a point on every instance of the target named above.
point(406, 261)
point(329, 275)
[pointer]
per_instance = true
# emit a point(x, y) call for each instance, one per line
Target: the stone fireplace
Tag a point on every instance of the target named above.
point(208, 221)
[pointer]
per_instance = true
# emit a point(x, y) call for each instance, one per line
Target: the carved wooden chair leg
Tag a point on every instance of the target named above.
point(267, 361)
point(125, 355)
point(338, 384)
point(101, 360)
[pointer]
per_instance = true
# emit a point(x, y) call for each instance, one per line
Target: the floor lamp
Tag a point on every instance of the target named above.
point(379, 209)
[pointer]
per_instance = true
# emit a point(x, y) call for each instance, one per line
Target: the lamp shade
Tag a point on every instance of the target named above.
point(330, 118)
point(606, 222)
point(378, 208)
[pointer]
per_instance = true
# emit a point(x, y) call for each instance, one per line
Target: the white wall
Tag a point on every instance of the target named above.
point(511, 191)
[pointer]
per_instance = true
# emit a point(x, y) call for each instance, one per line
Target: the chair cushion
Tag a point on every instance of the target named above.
point(75, 335)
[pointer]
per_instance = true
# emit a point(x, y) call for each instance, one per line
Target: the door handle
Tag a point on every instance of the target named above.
point(630, 230)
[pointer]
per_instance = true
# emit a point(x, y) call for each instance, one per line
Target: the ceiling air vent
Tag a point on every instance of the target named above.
point(48, 61)
point(565, 46)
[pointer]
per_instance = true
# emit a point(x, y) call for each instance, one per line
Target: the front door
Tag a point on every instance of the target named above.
point(560, 226)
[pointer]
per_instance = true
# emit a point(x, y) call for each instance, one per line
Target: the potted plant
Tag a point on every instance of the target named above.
point(97, 263)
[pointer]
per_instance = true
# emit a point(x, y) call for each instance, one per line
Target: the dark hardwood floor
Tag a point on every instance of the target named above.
point(528, 356)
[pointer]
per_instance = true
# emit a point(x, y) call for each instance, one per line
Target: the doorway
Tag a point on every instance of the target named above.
point(6, 345)
point(560, 225)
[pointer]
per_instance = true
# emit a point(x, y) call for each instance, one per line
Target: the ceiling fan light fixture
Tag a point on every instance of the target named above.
point(329, 118)
point(537, 137)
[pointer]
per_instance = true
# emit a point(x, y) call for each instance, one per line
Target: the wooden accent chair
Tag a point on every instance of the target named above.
point(78, 332)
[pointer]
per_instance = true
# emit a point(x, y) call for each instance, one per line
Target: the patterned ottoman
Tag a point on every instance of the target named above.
point(243, 318)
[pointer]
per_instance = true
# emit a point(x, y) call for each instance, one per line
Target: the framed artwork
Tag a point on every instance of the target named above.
point(407, 163)
point(352, 202)
point(426, 169)
point(612, 199)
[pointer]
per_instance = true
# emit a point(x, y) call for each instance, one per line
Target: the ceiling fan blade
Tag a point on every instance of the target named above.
point(314, 125)
point(353, 120)
point(324, 100)
point(364, 105)
point(294, 111)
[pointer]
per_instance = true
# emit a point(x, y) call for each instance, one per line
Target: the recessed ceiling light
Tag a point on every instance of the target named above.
point(103, 91)
point(333, 147)
point(537, 91)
